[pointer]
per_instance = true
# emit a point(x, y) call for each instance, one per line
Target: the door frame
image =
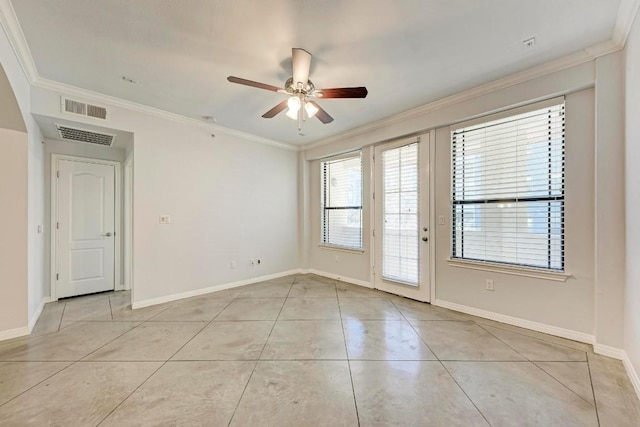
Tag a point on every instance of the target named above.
point(117, 285)
point(431, 134)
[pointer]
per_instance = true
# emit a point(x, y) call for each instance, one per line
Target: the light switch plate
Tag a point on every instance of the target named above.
point(165, 219)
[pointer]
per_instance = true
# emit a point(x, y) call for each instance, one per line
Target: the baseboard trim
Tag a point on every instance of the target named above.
point(14, 333)
point(203, 291)
point(358, 282)
point(632, 373)
point(515, 321)
point(605, 350)
point(36, 315)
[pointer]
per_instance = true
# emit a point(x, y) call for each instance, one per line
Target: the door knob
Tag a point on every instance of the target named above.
point(107, 234)
point(425, 239)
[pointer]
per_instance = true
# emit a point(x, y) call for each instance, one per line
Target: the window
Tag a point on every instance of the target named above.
point(341, 202)
point(508, 189)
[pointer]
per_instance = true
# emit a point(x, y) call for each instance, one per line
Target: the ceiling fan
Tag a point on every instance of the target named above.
point(301, 91)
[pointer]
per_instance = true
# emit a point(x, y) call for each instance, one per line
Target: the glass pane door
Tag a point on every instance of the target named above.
point(400, 214)
point(401, 218)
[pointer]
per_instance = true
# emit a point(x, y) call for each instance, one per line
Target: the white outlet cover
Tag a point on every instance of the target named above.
point(441, 219)
point(165, 219)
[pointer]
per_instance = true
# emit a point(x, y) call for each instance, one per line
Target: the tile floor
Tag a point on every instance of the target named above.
point(300, 351)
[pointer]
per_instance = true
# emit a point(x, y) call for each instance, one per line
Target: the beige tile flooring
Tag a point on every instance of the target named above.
point(300, 351)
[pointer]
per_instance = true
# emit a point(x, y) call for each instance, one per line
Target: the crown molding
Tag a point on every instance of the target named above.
point(626, 15)
point(88, 95)
point(587, 55)
point(13, 30)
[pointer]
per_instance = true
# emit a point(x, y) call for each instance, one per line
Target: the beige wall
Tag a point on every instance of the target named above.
point(566, 305)
point(346, 264)
point(609, 201)
point(632, 155)
point(13, 230)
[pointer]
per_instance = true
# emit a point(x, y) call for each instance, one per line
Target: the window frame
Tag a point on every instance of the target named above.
point(323, 208)
point(548, 272)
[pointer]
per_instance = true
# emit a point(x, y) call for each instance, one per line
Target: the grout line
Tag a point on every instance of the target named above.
point(64, 308)
point(35, 385)
point(530, 336)
point(165, 361)
point(346, 351)
point(504, 343)
point(593, 390)
point(563, 384)
point(539, 361)
point(110, 308)
point(260, 355)
point(441, 364)
point(130, 394)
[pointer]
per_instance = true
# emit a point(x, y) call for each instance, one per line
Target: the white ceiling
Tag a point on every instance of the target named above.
point(407, 53)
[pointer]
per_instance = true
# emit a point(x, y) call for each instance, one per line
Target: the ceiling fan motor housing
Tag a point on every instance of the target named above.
point(291, 89)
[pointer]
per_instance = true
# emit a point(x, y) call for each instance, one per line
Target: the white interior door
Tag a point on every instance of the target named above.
point(85, 234)
point(401, 211)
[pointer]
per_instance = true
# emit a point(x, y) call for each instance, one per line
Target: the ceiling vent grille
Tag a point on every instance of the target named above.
point(83, 109)
point(82, 135)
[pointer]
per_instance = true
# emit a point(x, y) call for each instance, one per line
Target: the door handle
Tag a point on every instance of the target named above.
point(425, 239)
point(107, 234)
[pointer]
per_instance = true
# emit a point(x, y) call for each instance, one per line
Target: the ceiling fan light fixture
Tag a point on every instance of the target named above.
point(293, 115)
point(294, 104)
point(310, 109)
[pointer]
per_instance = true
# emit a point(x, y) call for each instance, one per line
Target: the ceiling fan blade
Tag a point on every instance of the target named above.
point(275, 110)
point(301, 63)
point(342, 92)
point(322, 115)
point(251, 83)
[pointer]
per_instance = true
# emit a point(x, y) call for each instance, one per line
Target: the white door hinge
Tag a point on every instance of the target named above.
point(57, 276)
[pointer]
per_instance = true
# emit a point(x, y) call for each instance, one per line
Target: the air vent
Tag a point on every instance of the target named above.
point(83, 109)
point(83, 135)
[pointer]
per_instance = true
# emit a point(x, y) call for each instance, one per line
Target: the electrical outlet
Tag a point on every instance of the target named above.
point(489, 285)
point(165, 219)
point(441, 219)
point(233, 265)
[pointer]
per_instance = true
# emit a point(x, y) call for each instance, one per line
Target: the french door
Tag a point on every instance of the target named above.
point(401, 218)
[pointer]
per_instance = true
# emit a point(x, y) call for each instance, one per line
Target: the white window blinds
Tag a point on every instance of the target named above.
point(508, 189)
point(400, 247)
point(341, 202)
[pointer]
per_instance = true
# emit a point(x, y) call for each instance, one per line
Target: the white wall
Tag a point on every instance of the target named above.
point(632, 156)
point(569, 305)
point(78, 150)
point(230, 199)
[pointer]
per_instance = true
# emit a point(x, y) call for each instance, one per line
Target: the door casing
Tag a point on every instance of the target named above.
point(55, 158)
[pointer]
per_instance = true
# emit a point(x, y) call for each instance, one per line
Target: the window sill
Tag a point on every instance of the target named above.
point(341, 248)
point(513, 270)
